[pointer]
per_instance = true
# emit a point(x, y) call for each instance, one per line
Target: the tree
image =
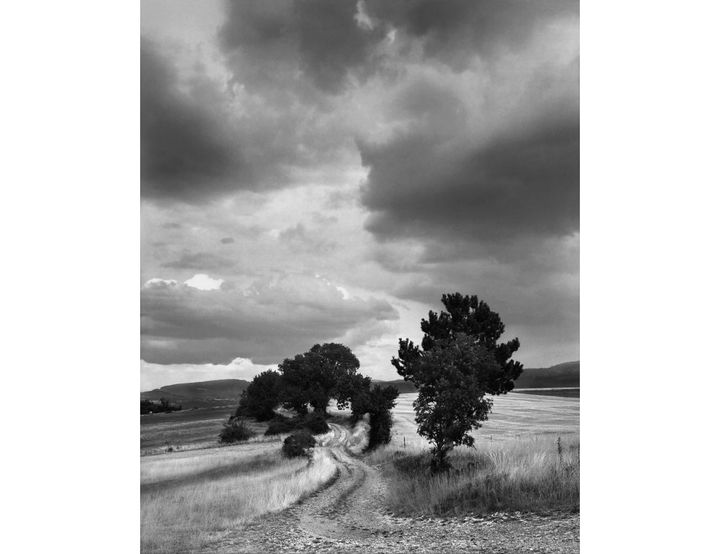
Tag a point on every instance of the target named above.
point(314, 377)
point(377, 401)
point(460, 362)
point(261, 397)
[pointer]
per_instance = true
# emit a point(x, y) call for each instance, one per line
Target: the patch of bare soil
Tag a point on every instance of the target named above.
point(350, 516)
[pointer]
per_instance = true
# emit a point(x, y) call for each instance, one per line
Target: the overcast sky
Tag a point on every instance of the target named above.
point(323, 170)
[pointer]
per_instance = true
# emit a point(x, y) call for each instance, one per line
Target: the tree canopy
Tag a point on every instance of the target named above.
point(326, 371)
point(261, 397)
point(459, 363)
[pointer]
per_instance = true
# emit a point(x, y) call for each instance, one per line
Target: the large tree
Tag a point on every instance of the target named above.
point(313, 378)
point(261, 397)
point(460, 362)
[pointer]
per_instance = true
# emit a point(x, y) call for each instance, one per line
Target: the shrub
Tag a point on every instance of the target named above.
point(163, 406)
point(298, 444)
point(315, 423)
point(280, 425)
point(235, 430)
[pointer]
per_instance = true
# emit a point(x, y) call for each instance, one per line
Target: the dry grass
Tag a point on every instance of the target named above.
point(512, 475)
point(164, 467)
point(183, 516)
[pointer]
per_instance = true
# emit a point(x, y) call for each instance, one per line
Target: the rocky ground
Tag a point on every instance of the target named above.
point(348, 515)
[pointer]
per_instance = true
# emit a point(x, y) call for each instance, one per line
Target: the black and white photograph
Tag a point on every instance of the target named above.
point(350, 255)
point(360, 262)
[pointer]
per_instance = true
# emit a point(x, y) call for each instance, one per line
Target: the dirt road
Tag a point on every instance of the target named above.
point(348, 515)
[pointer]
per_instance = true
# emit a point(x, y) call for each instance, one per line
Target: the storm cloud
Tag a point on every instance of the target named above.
point(337, 165)
point(187, 149)
point(265, 322)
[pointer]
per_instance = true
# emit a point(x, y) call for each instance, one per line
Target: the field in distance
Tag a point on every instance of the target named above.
point(200, 496)
point(514, 415)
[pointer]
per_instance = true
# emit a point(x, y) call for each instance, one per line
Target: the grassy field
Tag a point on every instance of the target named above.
point(186, 429)
point(517, 465)
point(569, 392)
point(189, 498)
point(200, 490)
point(514, 416)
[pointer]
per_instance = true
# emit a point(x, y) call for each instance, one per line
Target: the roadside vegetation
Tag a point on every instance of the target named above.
point(528, 475)
point(305, 385)
point(273, 455)
point(184, 514)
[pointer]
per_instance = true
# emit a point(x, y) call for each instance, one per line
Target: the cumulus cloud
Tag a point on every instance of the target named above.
point(400, 149)
point(266, 322)
point(489, 152)
point(200, 260)
point(270, 41)
point(187, 148)
point(157, 375)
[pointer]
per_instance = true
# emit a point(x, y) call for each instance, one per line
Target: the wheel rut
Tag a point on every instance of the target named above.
point(348, 514)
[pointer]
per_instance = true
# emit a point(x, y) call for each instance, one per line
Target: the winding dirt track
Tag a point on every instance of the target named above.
point(348, 515)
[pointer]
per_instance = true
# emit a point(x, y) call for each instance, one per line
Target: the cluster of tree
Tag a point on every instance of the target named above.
point(459, 362)
point(153, 407)
point(312, 379)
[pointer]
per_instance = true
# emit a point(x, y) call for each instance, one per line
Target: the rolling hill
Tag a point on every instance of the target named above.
point(203, 394)
point(226, 392)
point(561, 375)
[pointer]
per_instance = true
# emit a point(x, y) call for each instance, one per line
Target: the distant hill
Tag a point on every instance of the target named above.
point(203, 394)
point(561, 375)
point(224, 392)
point(400, 384)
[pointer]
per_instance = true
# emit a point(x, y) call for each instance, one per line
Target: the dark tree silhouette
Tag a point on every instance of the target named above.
point(261, 397)
point(377, 401)
point(324, 372)
point(459, 363)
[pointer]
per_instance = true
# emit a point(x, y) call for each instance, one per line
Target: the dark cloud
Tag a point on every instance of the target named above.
point(517, 185)
point(489, 156)
point(268, 41)
point(227, 240)
point(267, 322)
point(200, 260)
point(187, 149)
point(456, 30)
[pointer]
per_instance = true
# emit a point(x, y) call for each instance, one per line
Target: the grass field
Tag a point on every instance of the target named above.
point(190, 497)
point(200, 490)
point(570, 392)
point(514, 416)
point(517, 464)
point(186, 429)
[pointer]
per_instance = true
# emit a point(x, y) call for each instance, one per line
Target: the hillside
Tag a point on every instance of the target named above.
point(203, 394)
point(225, 392)
point(400, 384)
point(560, 375)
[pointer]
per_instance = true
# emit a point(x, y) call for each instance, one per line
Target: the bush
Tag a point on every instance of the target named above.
point(281, 425)
point(298, 444)
point(380, 427)
point(235, 430)
point(163, 406)
point(315, 423)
